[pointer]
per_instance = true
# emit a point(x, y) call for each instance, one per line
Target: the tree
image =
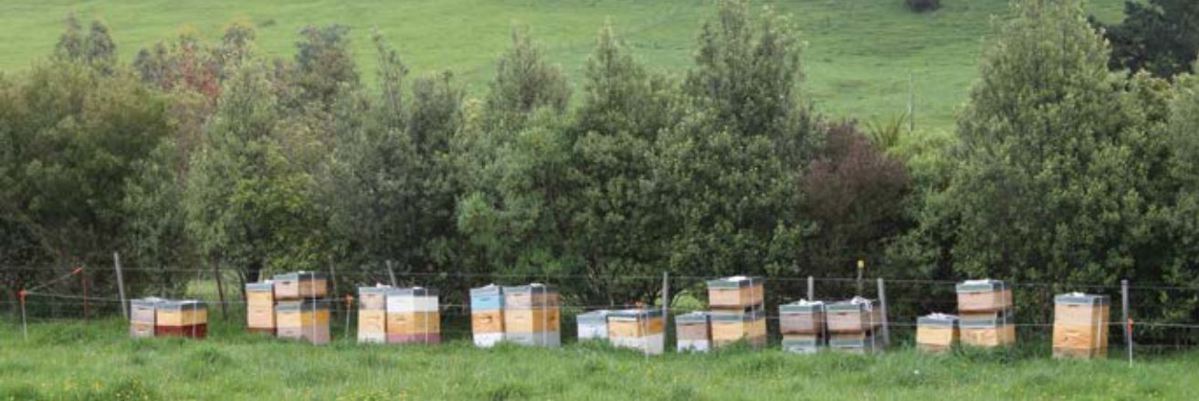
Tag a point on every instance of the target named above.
point(1161, 37)
point(524, 81)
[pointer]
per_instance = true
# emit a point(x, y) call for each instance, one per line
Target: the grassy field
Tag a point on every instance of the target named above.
point(76, 361)
point(860, 57)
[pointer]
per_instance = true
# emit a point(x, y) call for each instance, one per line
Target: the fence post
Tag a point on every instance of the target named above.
point(1127, 320)
point(116, 264)
point(665, 309)
point(391, 273)
point(811, 288)
point(86, 306)
point(882, 304)
point(24, 323)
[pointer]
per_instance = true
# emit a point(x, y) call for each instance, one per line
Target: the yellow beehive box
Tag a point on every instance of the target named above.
point(180, 313)
point(301, 285)
point(531, 320)
point(987, 329)
point(487, 321)
point(1080, 327)
point(372, 326)
point(737, 292)
point(299, 314)
point(413, 322)
point(635, 323)
point(937, 332)
point(260, 317)
point(857, 315)
point(260, 294)
point(983, 296)
point(729, 327)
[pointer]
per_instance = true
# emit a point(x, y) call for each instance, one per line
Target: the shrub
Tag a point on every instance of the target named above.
point(921, 6)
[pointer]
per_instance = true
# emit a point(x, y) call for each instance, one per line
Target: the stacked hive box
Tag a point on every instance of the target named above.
point(301, 312)
point(936, 332)
point(736, 311)
point(1080, 325)
point(181, 319)
point(593, 325)
point(487, 315)
point(641, 329)
point(531, 315)
point(694, 332)
point(802, 325)
point(413, 316)
point(142, 315)
point(985, 313)
point(852, 326)
point(260, 307)
point(372, 314)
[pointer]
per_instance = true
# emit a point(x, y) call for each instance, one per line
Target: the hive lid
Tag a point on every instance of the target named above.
point(986, 285)
point(187, 304)
point(265, 285)
point(802, 306)
point(595, 316)
point(734, 282)
point(301, 275)
point(986, 323)
point(636, 313)
point(735, 316)
point(378, 289)
point(851, 305)
point(299, 306)
point(413, 292)
point(692, 318)
point(529, 288)
point(147, 301)
point(490, 289)
point(1078, 298)
point(937, 319)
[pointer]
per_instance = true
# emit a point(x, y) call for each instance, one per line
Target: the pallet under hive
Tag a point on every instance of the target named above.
point(693, 331)
point(306, 320)
point(301, 285)
point(735, 293)
point(729, 327)
point(640, 329)
point(532, 316)
point(413, 316)
point(487, 315)
point(187, 318)
point(937, 333)
point(593, 325)
point(1080, 325)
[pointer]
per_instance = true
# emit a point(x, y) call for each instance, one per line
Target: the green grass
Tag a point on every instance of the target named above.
point(74, 361)
point(860, 53)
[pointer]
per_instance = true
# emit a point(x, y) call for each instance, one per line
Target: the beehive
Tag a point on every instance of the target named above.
point(301, 285)
point(487, 315)
point(593, 325)
point(694, 332)
point(937, 332)
point(856, 343)
point(413, 316)
point(857, 315)
point(187, 318)
point(260, 307)
point(986, 330)
point(1080, 325)
point(735, 293)
point(802, 326)
point(372, 314)
point(640, 329)
point(729, 327)
point(306, 320)
point(142, 316)
point(983, 296)
point(531, 315)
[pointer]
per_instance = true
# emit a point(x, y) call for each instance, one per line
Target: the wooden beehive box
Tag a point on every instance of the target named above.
point(593, 325)
point(1080, 325)
point(694, 332)
point(802, 317)
point(729, 327)
point(487, 315)
point(373, 298)
point(188, 318)
point(857, 315)
point(301, 285)
point(372, 326)
point(142, 317)
point(641, 329)
point(987, 329)
point(802, 343)
point(306, 320)
point(532, 296)
point(413, 316)
point(737, 292)
point(937, 332)
point(260, 307)
point(983, 296)
point(857, 343)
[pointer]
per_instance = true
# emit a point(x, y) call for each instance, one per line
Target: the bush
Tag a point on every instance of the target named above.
point(921, 6)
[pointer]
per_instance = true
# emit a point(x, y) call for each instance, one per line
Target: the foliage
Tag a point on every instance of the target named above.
point(1161, 37)
point(922, 6)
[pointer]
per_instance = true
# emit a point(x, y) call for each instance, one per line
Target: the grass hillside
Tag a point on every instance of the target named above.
point(74, 361)
point(860, 56)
